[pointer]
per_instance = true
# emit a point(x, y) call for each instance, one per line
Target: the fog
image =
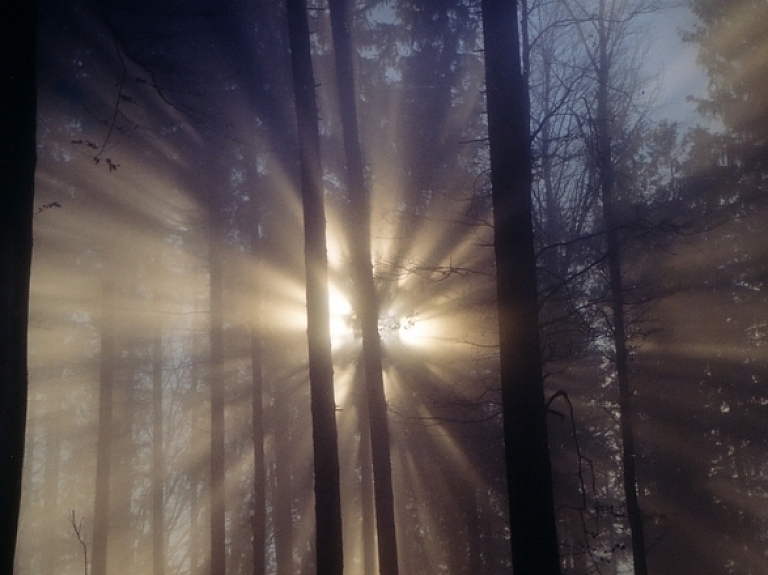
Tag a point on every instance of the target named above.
point(169, 278)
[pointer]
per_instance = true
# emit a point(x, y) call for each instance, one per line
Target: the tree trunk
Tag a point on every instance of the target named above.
point(329, 542)
point(474, 531)
point(529, 480)
point(123, 549)
point(18, 156)
point(368, 511)
point(218, 549)
point(282, 512)
point(50, 551)
point(366, 303)
point(259, 519)
point(197, 439)
point(605, 162)
point(104, 441)
point(158, 462)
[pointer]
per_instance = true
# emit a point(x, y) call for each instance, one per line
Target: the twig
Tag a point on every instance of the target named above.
point(78, 528)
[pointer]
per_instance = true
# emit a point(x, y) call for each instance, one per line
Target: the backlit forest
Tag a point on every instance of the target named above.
point(271, 305)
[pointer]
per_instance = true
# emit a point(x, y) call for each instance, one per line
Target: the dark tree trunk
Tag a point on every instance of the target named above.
point(605, 163)
point(18, 156)
point(104, 441)
point(529, 480)
point(329, 547)
point(366, 303)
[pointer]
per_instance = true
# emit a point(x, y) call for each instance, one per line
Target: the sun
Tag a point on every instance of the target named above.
point(406, 329)
point(341, 316)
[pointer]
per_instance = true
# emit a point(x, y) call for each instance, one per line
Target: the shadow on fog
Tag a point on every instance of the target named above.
point(698, 378)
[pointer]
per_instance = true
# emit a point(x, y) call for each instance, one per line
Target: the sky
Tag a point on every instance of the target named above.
point(675, 61)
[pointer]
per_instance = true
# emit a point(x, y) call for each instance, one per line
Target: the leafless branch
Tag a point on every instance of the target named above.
point(77, 526)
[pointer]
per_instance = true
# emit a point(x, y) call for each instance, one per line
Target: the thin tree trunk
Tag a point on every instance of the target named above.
point(329, 539)
point(475, 531)
point(123, 551)
point(218, 549)
point(158, 461)
point(196, 439)
point(282, 512)
point(50, 551)
point(18, 156)
point(366, 302)
point(104, 441)
point(194, 526)
point(368, 511)
point(552, 217)
point(529, 476)
point(605, 161)
point(259, 519)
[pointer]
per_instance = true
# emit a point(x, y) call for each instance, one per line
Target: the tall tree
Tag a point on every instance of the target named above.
point(18, 156)
point(529, 479)
point(329, 547)
point(158, 456)
point(366, 303)
point(602, 34)
point(282, 506)
point(259, 519)
point(51, 489)
point(101, 511)
point(216, 382)
point(605, 162)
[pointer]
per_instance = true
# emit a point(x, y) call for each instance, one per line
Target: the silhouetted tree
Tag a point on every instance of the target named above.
point(18, 156)
point(532, 516)
point(329, 548)
point(366, 304)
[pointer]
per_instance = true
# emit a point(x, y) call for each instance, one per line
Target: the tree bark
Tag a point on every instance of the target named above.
point(366, 303)
point(18, 157)
point(329, 540)
point(529, 480)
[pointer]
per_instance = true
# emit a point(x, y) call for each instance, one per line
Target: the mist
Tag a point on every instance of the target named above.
point(172, 427)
